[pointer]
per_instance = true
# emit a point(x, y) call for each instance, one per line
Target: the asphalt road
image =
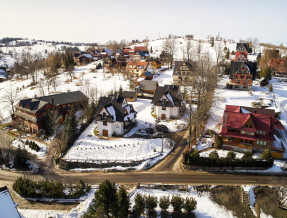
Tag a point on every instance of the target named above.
point(167, 171)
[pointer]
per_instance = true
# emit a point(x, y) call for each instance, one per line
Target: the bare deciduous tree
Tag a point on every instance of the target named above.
point(11, 97)
point(170, 47)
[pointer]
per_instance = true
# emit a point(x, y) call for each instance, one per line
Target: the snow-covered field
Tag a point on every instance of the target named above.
point(90, 148)
point(21, 142)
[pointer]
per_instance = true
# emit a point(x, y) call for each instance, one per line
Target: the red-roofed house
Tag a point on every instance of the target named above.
point(140, 48)
point(251, 129)
point(240, 56)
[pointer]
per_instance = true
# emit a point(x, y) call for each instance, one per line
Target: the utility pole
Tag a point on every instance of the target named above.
point(162, 143)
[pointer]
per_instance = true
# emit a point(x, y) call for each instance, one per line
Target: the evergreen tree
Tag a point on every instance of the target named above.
point(99, 66)
point(151, 51)
point(233, 53)
point(267, 73)
point(270, 88)
point(72, 127)
point(219, 142)
point(227, 54)
point(177, 203)
point(247, 156)
point(189, 205)
point(213, 155)
point(123, 203)
point(48, 123)
point(20, 160)
point(90, 112)
point(164, 202)
point(231, 155)
point(106, 199)
point(139, 205)
point(258, 57)
point(151, 204)
point(266, 155)
point(120, 90)
point(195, 154)
point(212, 41)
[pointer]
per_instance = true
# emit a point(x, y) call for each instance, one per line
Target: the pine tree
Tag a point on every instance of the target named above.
point(164, 202)
point(247, 156)
point(213, 155)
point(270, 88)
point(227, 54)
point(231, 155)
point(189, 205)
point(258, 57)
point(219, 142)
point(151, 204)
point(177, 203)
point(106, 199)
point(72, 127)
point(123, 203)
point(139, 205)
point(267, 73)
point(48, 123)
point(151, 51)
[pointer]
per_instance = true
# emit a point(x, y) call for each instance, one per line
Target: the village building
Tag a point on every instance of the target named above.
point(114, 116)
point(147, 88)
point(167, 102)
point(8, 208)
point(242, 75)
point(156, 63)
point(251, 129)
point(145, 76)
point(137, 68)
point(82, 58)
point(29, 113)
point(241, 47)
point(129, 96)
point(182, 73)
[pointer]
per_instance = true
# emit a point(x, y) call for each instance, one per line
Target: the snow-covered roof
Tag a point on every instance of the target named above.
point(169, 98)
point(88, 55)
point(112, 112)
point(7, 205)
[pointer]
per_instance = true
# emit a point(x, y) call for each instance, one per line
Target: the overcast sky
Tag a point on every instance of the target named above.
point(100, 21)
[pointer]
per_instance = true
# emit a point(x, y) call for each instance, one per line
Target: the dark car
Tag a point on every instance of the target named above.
point(157, 135)
point(149, 130)
point(161, 128)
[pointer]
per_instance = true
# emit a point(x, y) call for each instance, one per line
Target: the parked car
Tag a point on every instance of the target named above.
point(161, 128)
point(149, 130)
point(142, 132)
point(157, 135)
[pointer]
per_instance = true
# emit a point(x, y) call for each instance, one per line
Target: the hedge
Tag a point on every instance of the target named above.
point(225, 162)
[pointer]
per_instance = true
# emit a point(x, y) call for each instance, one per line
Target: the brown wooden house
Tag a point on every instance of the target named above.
point(29, 113)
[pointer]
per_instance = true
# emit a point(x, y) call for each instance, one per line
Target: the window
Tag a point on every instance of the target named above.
point(250, 142)
point(258, 142)
point(242, 77)
point(163, 108)
point(242, 132)
point(105, 123)
point(264, 143)
point(251, 133)
point(261, 142)
point(241, 141)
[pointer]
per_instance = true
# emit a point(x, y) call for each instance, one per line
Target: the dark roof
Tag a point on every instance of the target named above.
point(240, 44)
point(65, 98)
point(128, 94)
point(178, 64)
point(263, 80)
point(7, 205)
point(116, 103)
point(31, 104)
point(167, 90)
point(148, 74)
point(157, 61)
point(148, 85)
point(235, 66)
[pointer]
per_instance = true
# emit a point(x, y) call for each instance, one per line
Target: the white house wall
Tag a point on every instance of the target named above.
point(174, 112)
point(170, 112)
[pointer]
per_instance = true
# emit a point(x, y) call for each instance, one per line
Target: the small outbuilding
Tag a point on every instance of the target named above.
point(263, 82)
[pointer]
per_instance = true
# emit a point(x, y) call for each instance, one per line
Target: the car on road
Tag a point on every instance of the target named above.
point(142, 132)
point(161, 128)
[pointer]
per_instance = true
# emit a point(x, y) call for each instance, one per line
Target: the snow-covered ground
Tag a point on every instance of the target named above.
point(21, 142)
point(90, 148)
point(205, 206)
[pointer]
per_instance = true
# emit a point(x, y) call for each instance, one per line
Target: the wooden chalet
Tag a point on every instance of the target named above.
point(29, 113)
point(251, 129)
point(182, 72)
point(279, 66)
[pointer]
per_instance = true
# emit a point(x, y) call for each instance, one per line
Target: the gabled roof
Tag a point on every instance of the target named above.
point(140, 48)
point(236, 65)
point(148, 85)
point(178, 64)
point(65, 98)
point(31, 104)
point(7, 205)
point(114, 106)
point(137, 63)
point(157, 61)
point(241, 44)
point(128, 94)
point(171, 93)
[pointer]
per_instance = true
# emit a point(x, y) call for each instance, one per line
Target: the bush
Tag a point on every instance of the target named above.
point(177, 203)
point(231, 155)
point(266, 155)
point(213, 155)
point(151, 204)
point(139, 206)
point(247, 156)
point(189, 205)
point(164, 202)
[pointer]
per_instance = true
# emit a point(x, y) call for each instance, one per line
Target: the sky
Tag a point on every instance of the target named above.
point(101, 21)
